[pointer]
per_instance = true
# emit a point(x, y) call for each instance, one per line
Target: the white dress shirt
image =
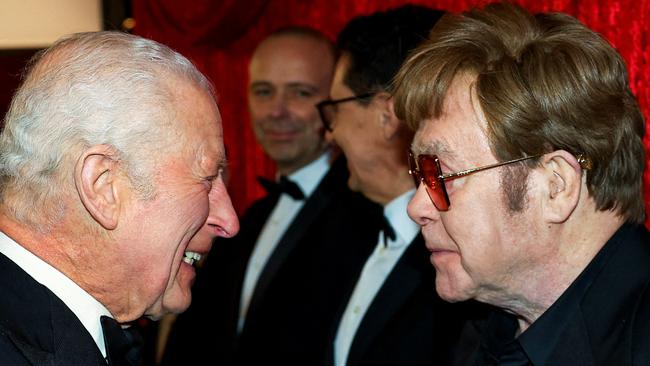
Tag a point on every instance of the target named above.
point(307, 178)
point(377, 268)
point(81, 303)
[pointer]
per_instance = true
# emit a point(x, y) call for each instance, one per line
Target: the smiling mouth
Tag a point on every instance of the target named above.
point(191, 257)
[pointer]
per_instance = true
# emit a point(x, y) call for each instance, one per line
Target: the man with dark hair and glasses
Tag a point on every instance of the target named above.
point(269, 295)
point(529, 161)
point(391, 316)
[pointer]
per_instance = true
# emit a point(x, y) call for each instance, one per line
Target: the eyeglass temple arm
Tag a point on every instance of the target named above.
point(474, 170)
point(584, 161)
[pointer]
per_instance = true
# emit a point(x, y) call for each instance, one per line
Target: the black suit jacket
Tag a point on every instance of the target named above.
point(612, 324)
point(406, 323)
point(299, 290)
point(36, 327)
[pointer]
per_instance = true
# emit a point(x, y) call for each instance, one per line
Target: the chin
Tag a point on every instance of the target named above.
point(175, 305)
point(353, 183)
point(449, 291)
point(175, 300)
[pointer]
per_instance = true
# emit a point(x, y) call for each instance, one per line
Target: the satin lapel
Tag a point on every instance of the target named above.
point(251, 228)
point(404, 279)
point(316, 203)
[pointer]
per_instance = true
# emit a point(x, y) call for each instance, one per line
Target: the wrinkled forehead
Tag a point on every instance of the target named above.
point(195, 117)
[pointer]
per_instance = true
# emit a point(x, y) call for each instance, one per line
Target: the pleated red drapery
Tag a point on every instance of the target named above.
point(220, 35)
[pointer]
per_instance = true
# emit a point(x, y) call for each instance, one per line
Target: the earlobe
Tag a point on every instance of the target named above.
point(390, 122)
point(95, 179)
point(563, 182)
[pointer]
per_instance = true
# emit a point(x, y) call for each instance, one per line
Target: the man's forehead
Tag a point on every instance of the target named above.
point(291, 59)
point(291, 84)
point(460, 122)
point(212, 154)
point(287, 43)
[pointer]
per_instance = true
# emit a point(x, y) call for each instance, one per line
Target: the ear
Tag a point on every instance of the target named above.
point(390, 124)
point(95, 177)
point(562, 183)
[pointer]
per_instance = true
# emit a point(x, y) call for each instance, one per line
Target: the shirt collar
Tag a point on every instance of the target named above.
point(82, 304)
point(395, 212)
point(308, 177)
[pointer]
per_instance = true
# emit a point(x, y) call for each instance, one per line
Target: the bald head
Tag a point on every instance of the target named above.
point(290, 72)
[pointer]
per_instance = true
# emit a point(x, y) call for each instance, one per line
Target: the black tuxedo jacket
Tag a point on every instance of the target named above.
point(299, 290)
point(612, 325)
point(406, 323)
point(36, 327)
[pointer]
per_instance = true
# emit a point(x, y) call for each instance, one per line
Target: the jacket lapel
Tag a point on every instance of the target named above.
point(403, 280)
point(316, 203)
point(40, 325)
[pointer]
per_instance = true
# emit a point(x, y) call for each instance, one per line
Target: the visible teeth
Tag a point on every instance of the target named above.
point(191, 258)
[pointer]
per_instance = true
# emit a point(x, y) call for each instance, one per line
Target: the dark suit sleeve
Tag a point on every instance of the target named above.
point(641, 330)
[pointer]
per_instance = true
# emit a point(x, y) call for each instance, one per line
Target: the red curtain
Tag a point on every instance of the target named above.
point(219, 37)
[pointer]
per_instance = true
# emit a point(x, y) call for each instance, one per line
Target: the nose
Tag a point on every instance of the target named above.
point(279, 106)
point(222, 215)
point(421, 209)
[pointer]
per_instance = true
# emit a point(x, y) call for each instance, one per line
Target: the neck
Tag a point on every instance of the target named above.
point(574, 244)
point(73, 258)
point(289, 167)
point(383, 194)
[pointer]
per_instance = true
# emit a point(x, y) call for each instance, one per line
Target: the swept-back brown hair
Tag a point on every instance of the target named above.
point(545, 82)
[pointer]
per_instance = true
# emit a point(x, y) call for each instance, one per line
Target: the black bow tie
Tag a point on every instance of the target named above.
point(283, 186)
point(123, 346)
point(387, 229)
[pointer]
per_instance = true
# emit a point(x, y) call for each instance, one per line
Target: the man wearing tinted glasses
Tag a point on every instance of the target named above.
point(529, 160)
point(391, 316)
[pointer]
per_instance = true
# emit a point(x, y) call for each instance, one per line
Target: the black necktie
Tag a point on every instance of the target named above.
point(387, 229)
point(123, 346)
point(282, 186)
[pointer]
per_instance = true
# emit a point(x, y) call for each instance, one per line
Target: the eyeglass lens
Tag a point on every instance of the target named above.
point(427, 169)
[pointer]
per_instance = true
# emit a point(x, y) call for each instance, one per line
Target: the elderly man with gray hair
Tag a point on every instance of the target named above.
point(111, 162)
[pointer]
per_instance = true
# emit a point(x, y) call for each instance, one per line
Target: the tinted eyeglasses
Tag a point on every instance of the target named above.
point(328, 108)
point(426, 169)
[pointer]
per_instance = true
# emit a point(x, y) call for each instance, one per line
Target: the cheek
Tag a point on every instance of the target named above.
point(257, 109)
point(305, 111)
point(194, 204)
point(469, 222)
point(346, 140)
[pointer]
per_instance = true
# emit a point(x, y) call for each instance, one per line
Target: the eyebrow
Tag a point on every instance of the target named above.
point(256, 84)
point(222, 163)
point(435, 147)
point(292, 84)
point(298, 84)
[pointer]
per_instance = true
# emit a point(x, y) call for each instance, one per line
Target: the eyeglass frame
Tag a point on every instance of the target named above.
point(414, 170)
point(418, 177)
point(320, 106)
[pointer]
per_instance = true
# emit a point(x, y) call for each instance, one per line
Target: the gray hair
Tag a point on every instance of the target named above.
point(87, 89)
